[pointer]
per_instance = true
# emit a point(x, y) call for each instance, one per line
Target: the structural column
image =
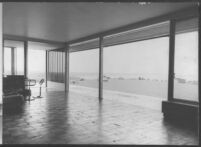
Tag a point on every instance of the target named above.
point(171, 61)
point(67, 68)
point(47, 67)
point(100, 68)
point(2, 55)
point(13, 61)
point(25, 58)
point(199, 60)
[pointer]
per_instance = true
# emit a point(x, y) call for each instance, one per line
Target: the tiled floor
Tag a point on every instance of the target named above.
point(81, 119)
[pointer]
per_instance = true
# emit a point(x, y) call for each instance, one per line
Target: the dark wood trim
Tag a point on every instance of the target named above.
point(181, 14)
point(25, 58)
point(171, 61)
point(100, 68)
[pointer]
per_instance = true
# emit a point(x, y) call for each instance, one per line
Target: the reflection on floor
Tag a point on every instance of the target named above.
point(122, 97)
point(80, 119)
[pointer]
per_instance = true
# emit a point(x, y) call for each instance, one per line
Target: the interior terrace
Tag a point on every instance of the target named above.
point(100, 73)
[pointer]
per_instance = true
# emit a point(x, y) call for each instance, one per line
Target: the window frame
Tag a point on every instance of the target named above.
point(172, 62)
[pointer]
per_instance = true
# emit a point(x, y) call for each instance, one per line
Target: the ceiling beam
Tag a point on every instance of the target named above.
point(21, 38)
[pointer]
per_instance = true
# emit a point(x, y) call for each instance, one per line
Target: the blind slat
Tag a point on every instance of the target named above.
point(188, 25)
point(91, 44)
point(148, 32)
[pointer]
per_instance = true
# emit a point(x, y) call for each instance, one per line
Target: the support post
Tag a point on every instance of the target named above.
point(47, 68)
point(25, 58)
point(199, 60)
point(100, 68)
point(57, 66)
point(199, 48)
point(67, 68)
point(3, 59)
point(171, 61)
point(13, 60)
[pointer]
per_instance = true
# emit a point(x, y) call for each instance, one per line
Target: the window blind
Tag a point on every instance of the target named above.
point(148, 32)
point(189, 25)
point(86, 45)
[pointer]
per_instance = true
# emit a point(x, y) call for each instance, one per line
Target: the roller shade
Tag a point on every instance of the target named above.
point(148, 32)
point(86, 45)
point(188, 25)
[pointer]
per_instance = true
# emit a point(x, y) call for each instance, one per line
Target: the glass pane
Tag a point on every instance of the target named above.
point(137, 72)
point(84, 68)
point(36, 64)
point(186, 66)
point(7, 61)
point(18, 56)
point(19, 61)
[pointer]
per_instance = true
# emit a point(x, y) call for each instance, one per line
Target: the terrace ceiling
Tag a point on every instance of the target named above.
point(69, 21)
